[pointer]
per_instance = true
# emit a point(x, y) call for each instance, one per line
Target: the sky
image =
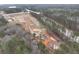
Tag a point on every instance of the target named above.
point(39, 2)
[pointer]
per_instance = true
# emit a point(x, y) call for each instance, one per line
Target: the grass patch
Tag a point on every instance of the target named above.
point(76, 33)
point(17, 46)
point(2, 34)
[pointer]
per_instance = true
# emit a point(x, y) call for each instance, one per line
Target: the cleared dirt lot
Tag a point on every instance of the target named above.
point(25, 19)
point(31, 24)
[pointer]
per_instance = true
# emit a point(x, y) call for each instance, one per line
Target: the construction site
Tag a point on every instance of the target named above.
point(39, 29)
point(30, 24)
